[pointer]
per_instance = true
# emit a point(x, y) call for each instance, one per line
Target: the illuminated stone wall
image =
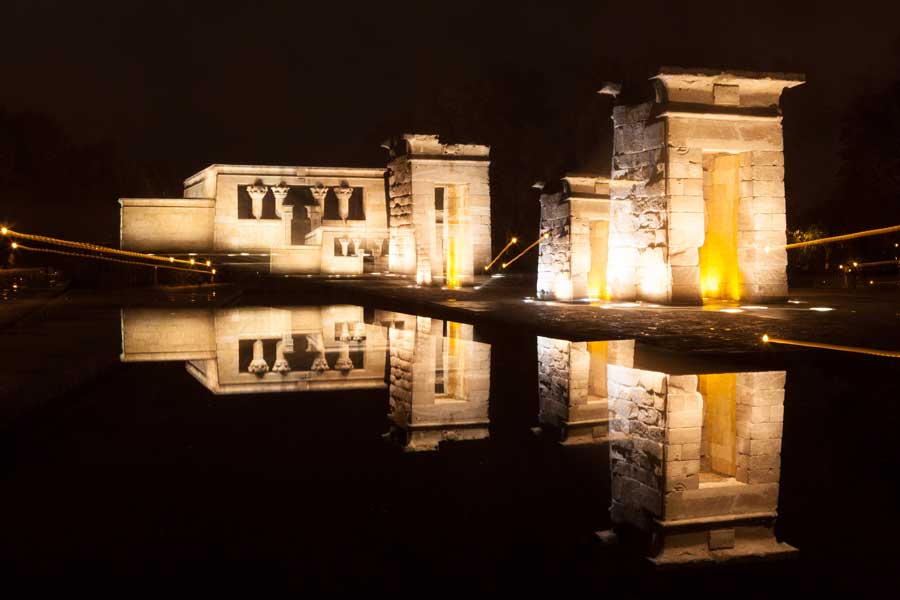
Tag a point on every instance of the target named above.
point(661, 480)
point(566, 256)
point(166, 224)
point(573, 386)
point(256, 209)
point(439, 382)
point(447, 244)
point(660, 209)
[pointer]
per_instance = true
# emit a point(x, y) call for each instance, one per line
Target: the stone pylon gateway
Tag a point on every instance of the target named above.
point(440, 207)
point(694, 209)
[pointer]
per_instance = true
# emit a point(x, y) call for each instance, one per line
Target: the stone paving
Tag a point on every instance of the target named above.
point(861, 318)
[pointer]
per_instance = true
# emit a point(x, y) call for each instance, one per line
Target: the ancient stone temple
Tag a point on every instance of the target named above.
point(696, 205)
point(440, 206)
point(291, 219)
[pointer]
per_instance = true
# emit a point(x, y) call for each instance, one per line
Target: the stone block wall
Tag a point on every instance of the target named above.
point(637, 402)
point(554, 249)
point(166, 224)
point(638, 238)
point(567, 405)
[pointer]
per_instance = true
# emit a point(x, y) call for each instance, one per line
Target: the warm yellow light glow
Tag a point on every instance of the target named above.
point(719, 393)
point(3, 230)
point(213, 271)
point(732, 310)
point(654, 279)
point(15, 245)
point(562, 287)
point(719, 270)
point(765, 337)
point(514, 240)
point(171, 259)
point(855, 264)
point(821, 308)
point(192, 261)
point(208, 263)
point(452, 263)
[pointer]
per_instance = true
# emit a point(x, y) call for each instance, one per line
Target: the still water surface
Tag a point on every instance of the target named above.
point(347, 446)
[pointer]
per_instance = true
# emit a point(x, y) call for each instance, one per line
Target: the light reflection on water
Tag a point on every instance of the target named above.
point(694, 459)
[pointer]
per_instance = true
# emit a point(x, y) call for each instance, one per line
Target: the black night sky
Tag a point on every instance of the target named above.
point(102, 100)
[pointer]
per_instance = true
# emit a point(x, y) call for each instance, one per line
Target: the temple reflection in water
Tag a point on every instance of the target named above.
point(695, 459)
point(437, 375)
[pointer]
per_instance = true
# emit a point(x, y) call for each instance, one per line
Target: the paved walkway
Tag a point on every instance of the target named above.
point(861, 318)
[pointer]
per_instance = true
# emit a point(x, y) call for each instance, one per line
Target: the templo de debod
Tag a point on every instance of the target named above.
point(427, 216)
point(694, 208)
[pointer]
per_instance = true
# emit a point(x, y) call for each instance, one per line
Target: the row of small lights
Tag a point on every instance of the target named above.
point(14, 245)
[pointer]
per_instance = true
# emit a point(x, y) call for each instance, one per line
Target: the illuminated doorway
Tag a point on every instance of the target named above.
point(719, 272)
point(599, 241)
point(718, 435)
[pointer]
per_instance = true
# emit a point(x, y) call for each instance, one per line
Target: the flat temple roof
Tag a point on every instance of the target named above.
point(289, 171)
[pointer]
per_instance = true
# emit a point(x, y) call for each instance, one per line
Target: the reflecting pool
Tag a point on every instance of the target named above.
point(324, 445)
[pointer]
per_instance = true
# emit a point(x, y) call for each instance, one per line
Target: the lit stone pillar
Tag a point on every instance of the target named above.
point(258, 366)
point(280, 192)
point(315, 343)
point(343, 194)
point(315, 217)
point(345, 245)
point(357, 247)
point(319, 192)
point(287, 218)
point(281, 364)
point(343, 363)
point(257, 193)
